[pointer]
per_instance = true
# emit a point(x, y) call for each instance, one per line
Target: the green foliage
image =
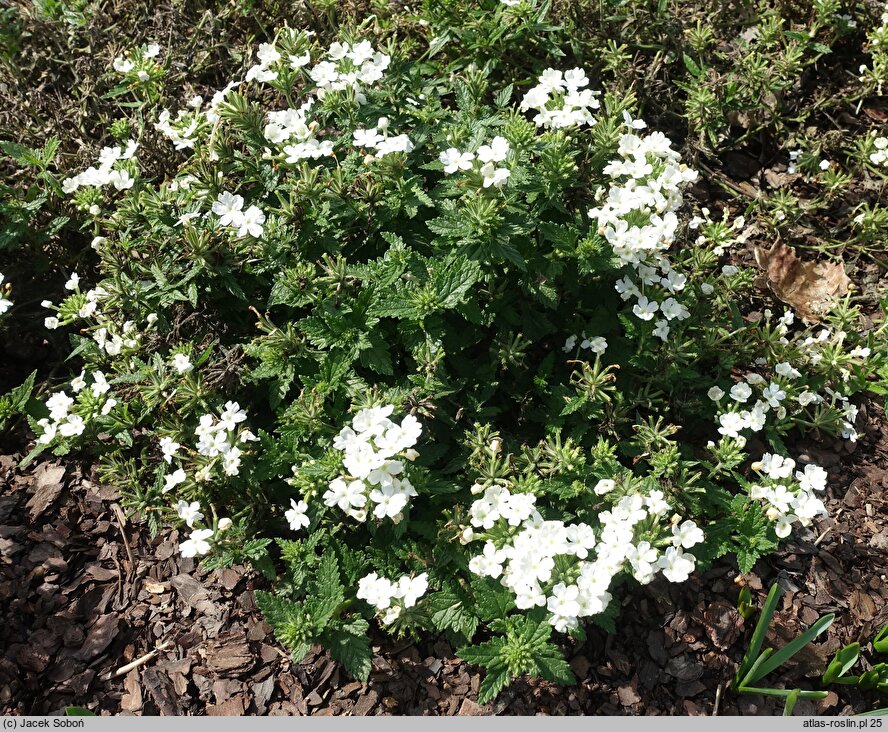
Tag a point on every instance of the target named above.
point(276, 262)
point(524, 648)
point(758, 663)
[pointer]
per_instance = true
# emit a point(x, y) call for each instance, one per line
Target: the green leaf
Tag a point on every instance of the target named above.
point(350, 645)
point(794, 646)
point(880, 642)
point(450, 613)
point(492, 600)
point(791, 702)
point(495, 680)
point(276, 610)
point(758, 635)
point(692, 66)
point(487, 654)
point(78, 712)
point(844, 659)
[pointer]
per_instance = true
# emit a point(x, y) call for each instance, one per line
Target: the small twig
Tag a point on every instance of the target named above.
point(121, 520)
point(718, 698)
point(822, 536)
point(141, 661)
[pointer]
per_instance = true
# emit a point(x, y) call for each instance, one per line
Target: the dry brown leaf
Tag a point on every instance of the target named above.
point(810, 288)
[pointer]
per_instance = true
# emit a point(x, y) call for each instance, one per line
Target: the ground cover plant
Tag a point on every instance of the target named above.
point(443, 346)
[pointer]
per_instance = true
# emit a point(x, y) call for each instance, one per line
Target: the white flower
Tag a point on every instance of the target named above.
point(687, 535)
point(604, 486)
point(173, 479)
point(296, 516)
point(741, 392)
point(644, 308)
point(807, 397)
point(182, 363)
point(773, 394)
point(389, 500)
point(189, 512)
point(676, 565)
point(267, 54)
point(493, 176)
point(345, 495)
point(168, 447)
point(231, 416)
point(731, 424)
point(100, 384)
point(251, 222)
point(715, 394)
point(453, 160)
point(656, 504)
point(152, 51)
point(783, 526)
point(73, 426)
point(496, 152)
point(812, 479)
point(489, 563)
point(123, 65)
point(51, 322)
point(197, 544)
point(72, 282)
point(231, 461)
point(58, 405)
point(411, 589)
point(597, 345)
point(297, 62)
point(227, 207)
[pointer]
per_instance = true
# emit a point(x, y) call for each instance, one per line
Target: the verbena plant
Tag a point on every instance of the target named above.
point(443, 351)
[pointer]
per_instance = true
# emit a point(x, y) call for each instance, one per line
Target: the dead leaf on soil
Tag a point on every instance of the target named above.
point(810, 288)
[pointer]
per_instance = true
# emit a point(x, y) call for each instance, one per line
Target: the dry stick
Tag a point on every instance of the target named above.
point(141, 661)
point(121, 520)
point(830, 527)
point(718, 697)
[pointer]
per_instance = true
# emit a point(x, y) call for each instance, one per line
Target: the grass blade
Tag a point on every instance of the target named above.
point(758, 635)
point(790, 649)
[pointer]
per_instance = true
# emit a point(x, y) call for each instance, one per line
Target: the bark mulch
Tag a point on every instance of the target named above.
point(83, 593)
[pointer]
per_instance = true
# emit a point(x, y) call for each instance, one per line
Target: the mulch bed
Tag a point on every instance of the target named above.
point(82, 594)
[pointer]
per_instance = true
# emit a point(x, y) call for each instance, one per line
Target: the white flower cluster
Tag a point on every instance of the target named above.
point(392, 597)
point(5, 303)
point(525, 564)
point(197, 544)
point(348, 67)
point(181, 131)
point(781, 395)
point(109, 336)
point(647, 186)
point(291, 128)
point(62, 422)
point(598, 344)
point(376, 138)
point(560, 99)
point(106, 173)
point(878, 47)
point(485, 159)
point(220, 437)
point(788, 500)
point(267, 56)
point(219, 441)
point(880, 156)
point(229, 208)
point(369, 446)
point(138, 62)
